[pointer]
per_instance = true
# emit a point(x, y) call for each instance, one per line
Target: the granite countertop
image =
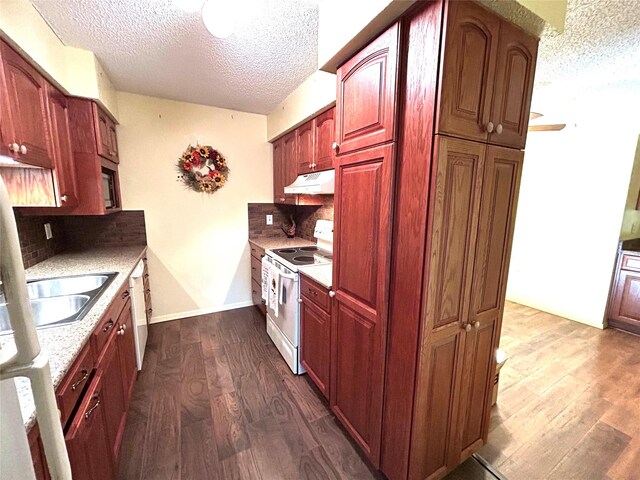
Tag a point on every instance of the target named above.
point(63, 344)
point(280, 242)
point(320, 273)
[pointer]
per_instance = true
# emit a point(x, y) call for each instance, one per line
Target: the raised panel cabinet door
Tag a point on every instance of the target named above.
point(455, 207)
point(515, 69)
point(626, 299)
point(87, 439)
point(305, 140)
point(289, 170)
point(324, 138)
point(127, 353)
point(360, 278)
point(27, 101)
point(103, 133)
point(113, 142)
point(113, 393)
point(367, 94)
point(468, 70)
point(7, 134)
point(65, 169)
point(278, 175)
point(315, 344)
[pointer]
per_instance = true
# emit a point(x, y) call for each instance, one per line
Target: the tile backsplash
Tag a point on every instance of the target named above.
point(305, 217)
point(77, 232)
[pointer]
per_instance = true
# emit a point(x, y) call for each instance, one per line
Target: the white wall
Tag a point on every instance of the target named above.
point(572, 199)
point(199, 259)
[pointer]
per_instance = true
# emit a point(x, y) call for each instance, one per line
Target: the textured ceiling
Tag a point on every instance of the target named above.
point(153, 48)
point(600, 46)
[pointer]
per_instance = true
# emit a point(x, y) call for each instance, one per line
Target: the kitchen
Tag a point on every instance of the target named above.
point(331, 305)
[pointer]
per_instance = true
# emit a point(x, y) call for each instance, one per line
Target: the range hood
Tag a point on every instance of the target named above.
point(313, 183)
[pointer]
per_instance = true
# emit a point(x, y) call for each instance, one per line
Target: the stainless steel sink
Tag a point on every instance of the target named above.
point(55, 287)
point(60, 301)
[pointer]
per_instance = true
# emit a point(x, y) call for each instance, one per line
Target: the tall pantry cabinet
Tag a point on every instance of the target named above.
point(431, 118)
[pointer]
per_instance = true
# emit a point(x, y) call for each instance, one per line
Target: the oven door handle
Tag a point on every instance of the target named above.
point(290, 277)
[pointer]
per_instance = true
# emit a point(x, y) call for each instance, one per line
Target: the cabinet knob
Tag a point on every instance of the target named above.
point(121, 331)
point(23, 150)
point(499, 129)
point(282, 199)
point(335, 146)
point(489, 127)
point(64, 198)
point(310, 166)
point(467, 327)
point(477, 325)
point(332, 293)
point(14, 147)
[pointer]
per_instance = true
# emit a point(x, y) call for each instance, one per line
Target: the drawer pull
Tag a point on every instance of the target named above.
point(125, 294)
point(93, 407)
point(108, 326)
point(85, 375)
point(146, 275)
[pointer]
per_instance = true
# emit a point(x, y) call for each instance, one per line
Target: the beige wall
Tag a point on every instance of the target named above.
point(553, 12)
point(313, 95)
point(631, 220)
point(74, 70)
point(199, 259)
point(572, 199)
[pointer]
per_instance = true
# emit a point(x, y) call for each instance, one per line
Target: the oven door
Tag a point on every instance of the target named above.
point(288, 318)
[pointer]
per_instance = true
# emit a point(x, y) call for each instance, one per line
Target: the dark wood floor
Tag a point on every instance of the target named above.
point(216, 401)
point(569, 401)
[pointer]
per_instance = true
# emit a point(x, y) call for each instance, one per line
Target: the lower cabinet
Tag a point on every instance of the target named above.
point(256, 277)
point(87, 439)
point(624, 310)
point(315, 334)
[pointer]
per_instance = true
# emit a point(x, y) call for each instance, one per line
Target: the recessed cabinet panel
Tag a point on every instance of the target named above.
point(516, 63)
point(366, 95)
point(468, 71)
point(315, 344)
point(305, 157)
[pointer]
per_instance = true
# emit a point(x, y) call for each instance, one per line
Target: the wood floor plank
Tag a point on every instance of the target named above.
point(297, 431)
point(189, 331)
point(194, 400)
point(254, 405)
point(270, 449)
point(199, 459)
point(593, 456)
point(315, 465)
point(133, 439)
point(219, 376)
point(229, 425)
point(241, 466)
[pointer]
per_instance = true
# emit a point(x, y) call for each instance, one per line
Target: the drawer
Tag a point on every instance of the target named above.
point(256, 293)
point(256, 270)
point(108, 322)
point(631, 262)
point(74, 383)
point(315, 293)
point(256, 252)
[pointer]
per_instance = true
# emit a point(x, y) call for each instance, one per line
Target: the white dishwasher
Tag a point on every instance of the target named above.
point(138, 310)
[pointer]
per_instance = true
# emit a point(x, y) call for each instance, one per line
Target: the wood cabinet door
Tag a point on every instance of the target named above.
point(289, 169)
point(455, 208)
point(87, 439)
point(7, 133)
point(65, 169)
point(27, 101)
point(324, 138)
point(493, 249)
point(113, 142)
point(315, 344)
point(105, 130)
point(305, 160)
point(367, 94)
point(360, 277)
point(626, 299)
point(513, 87)
point(468, 70)
point(127, 353)
point(113, 392)
point(278, 175)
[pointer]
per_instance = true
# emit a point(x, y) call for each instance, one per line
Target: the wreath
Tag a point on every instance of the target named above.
point(203, 169)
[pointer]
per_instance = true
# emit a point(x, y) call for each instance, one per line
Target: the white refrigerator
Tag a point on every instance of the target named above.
point(23, 358)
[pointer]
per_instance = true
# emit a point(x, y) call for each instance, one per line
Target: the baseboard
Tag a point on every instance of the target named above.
point(202, 311)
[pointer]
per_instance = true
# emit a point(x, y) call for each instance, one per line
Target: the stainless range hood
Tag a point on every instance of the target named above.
point(316, 183)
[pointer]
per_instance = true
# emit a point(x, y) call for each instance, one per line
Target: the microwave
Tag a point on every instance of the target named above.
point(109, 196)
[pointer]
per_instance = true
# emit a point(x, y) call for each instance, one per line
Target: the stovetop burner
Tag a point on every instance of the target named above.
point(309, 249)
point(304, 259)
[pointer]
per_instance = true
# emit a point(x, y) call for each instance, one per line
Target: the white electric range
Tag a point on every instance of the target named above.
point(283, 320)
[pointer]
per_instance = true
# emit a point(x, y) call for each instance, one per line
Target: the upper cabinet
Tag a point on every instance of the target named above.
point(366, 96)
point(487, 77)
point(25, 126)
point(105, 129)
point(324, 137)
point(289, 166)
point(306, 143)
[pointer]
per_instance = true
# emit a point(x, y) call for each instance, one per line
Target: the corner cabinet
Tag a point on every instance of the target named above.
point(487, 77)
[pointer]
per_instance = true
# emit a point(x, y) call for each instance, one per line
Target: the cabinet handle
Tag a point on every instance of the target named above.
point(499, 129)
point(64, 198)
point(335, 146)
point(332, 293)
point(108, 326)
point(14, 147)
point(125, 294)
point(95, 405)
point(489, 127)
point(121, 331)
point(85, 375)
point(477, 325)
point(467, 327)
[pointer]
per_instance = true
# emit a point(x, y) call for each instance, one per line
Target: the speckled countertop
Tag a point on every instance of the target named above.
point(320, 273)
point(63, 343)
point(280, 242)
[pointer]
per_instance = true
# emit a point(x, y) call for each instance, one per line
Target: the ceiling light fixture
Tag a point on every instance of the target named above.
point(188, 5)
point(220, 17)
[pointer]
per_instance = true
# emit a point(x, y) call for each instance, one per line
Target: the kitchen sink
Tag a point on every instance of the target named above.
point(59, 301)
